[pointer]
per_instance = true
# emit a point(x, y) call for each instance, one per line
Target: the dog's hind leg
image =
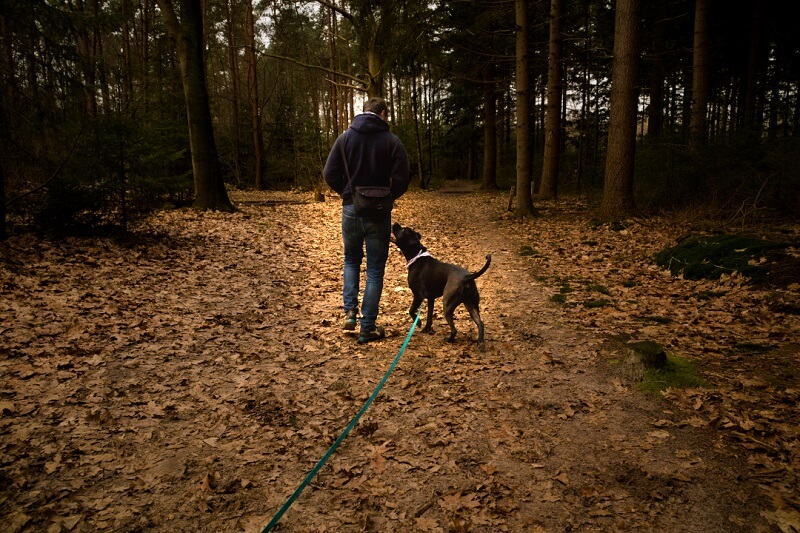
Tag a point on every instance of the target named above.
point(475, 313)
point(449, 311)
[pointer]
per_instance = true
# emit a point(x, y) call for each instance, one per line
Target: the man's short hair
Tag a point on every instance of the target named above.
point(375, 105)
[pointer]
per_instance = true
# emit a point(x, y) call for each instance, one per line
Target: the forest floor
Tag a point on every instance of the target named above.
point(187, 377)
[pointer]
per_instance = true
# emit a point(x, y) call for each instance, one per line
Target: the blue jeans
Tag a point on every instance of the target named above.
point(356, 231)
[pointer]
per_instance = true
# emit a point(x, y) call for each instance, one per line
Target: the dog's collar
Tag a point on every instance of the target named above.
point(422, 253)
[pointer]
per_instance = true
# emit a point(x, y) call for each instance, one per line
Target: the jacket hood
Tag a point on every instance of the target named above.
point(369, 123)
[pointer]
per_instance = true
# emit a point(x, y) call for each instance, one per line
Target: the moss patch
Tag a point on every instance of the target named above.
point(708, 257)
point(678, 373)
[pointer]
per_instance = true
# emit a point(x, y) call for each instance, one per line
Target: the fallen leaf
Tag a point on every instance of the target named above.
point(562, 477)
point(787, 520)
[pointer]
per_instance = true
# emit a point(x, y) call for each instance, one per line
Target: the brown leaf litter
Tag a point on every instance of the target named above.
point(187, 378)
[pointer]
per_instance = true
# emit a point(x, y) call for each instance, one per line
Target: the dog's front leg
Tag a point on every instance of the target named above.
point(415, 305)
point(429, 322)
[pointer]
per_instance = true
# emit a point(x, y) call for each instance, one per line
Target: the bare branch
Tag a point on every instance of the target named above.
point(319, 67)
point(345, 85)
point(338, 9)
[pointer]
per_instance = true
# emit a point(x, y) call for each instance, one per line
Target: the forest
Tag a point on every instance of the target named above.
point(115, 108)
point(172, 355)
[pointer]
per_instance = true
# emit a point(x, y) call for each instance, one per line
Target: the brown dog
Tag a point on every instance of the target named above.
point(429, 279)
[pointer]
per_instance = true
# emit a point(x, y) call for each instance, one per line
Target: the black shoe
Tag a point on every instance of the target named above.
point(350, 320)
point(375, 334)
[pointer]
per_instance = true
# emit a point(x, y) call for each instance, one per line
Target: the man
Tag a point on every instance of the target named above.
point(373, 156)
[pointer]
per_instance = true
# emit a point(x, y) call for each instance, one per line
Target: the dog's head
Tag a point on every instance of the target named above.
point(405, 238)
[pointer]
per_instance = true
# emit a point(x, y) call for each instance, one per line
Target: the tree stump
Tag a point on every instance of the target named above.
point(640, 356)
point(651, 354)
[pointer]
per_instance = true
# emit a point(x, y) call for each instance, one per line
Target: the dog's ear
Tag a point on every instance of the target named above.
point(419, 237)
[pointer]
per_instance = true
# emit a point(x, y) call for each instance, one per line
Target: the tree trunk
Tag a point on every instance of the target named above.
point(753, 67)
point(701, 72)
point(255, 108)
point(417, 137)
point(524, 205)
point(552, 129)
point(375, 82)
point(655, 122)
point(127, 74)
point(97, 60)
point(796, 121)
point(472, 153)
point(87, 59)
point(209, 188)
point(489, 180)
point(3, 230)
point(429, 108)
point(145, 68)
point(585, 88)
point(621, 152)
point(233, 66)
point(332, 63)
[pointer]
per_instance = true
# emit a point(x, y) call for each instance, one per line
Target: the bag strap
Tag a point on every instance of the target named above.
point(344, 160)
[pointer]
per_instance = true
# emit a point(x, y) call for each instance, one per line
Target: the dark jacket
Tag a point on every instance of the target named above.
point(375, 157)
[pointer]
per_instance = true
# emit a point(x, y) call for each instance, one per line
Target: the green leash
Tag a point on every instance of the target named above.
point(350, 426)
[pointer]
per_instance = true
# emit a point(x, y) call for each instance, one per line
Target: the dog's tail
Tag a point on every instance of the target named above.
point(478, 274)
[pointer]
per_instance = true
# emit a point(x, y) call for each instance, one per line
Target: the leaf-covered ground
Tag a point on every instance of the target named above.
point(187, 378)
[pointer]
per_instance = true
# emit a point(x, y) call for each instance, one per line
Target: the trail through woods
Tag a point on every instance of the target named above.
point(187, 377)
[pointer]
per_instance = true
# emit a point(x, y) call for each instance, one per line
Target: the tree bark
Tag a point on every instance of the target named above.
point(417, 136)
point(552, 129)
point(127, 74)
point(430, 107)
point(97, 60)
point(209, 188)
point(621, 152)
point(3, 229)
point(145, 67)
point(233, 66)
point(375, 74)
point(698, 125)
point(489, 180)
point(332, 63)
point(753, 67)
point(585, 89)
point(255, 107)
point(655, 122)
point(524, 204)
point(83, 43)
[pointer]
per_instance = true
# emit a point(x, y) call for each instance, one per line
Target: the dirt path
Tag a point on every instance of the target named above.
point(188, 381)
point(569, 441)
